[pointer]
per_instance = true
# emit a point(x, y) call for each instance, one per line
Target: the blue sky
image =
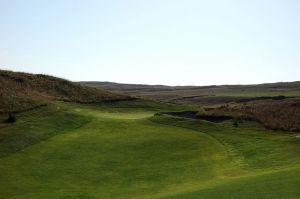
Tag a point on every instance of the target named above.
point(173, 42)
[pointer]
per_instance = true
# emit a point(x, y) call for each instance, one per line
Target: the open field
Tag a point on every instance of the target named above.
point(121, 150)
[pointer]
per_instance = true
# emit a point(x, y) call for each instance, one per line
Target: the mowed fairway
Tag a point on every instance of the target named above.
point(129, 153)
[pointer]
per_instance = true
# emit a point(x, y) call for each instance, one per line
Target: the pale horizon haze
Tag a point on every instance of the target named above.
point(169, 42)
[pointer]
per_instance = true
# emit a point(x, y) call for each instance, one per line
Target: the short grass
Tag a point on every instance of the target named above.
point(123, 151)
point(280, 184)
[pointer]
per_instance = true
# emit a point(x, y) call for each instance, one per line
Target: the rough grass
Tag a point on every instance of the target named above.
point(273, 115)
point(23, 91)
point(126, 152)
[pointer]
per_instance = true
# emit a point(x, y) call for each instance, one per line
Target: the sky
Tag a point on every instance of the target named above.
point(171, 42)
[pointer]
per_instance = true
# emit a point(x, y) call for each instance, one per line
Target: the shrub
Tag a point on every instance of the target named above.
point(235, 123)
point(11, 118)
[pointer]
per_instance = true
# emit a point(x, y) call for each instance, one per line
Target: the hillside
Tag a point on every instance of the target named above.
point(206, 95)
point(23, 91)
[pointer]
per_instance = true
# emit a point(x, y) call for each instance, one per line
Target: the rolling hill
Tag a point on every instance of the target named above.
point(205, 95)
point(23, 91)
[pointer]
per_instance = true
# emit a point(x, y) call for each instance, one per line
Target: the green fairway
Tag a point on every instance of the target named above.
point(67, 151)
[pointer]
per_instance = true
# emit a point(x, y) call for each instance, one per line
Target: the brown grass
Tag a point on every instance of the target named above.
point(21, 91)
point(273, 115)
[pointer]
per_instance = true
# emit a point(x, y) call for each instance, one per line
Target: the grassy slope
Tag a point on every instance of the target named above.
point(37, 125)
point(125, 152)
point(23, 91)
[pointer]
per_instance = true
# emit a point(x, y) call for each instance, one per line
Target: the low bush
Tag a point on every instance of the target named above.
point(11, 118)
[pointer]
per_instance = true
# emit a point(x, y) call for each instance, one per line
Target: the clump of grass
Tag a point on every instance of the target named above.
point(235, 123)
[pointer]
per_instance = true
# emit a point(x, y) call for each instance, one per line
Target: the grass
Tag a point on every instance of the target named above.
point(122, 151)
point(23, 91)
point(37, 125)
point(283, 184)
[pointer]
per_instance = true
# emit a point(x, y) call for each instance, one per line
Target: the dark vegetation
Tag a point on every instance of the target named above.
point(195, 115)
point(11, 118)
point(279, 98)
point(275, 115)
point(23, 91)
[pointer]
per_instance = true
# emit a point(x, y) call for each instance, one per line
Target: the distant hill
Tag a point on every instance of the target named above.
point(22, 91)
point(205, 94)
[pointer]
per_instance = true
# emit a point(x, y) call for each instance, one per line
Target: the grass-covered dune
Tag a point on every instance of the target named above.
point(122, 150)
point(23, 91)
